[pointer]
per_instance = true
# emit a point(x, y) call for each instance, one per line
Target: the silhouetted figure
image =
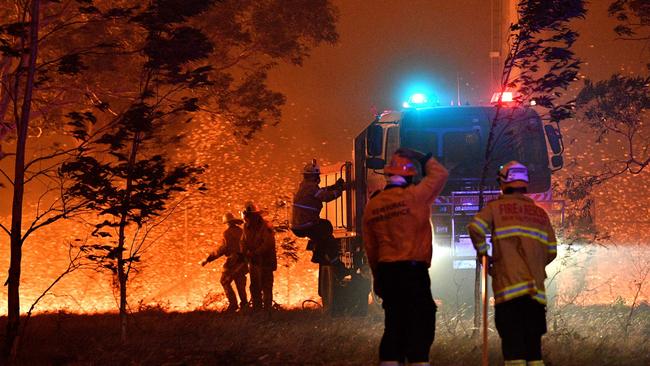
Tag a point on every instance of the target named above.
point(305, 217)
point(235, 267)
point(258, 244)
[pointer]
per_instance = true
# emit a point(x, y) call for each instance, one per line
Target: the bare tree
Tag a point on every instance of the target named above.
point(22, 127)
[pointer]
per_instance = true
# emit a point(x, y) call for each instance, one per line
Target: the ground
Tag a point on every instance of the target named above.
point(577, 336)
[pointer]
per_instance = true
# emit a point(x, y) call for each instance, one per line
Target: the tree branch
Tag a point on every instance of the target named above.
point(4, 228)
point(6, 176)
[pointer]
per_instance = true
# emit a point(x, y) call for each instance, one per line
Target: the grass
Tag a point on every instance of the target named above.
point(577, 336)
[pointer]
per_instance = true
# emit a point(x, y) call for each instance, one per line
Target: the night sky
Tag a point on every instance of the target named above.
point(387, 45)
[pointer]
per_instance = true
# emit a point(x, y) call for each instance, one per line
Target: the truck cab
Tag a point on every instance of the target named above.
point(457, 137)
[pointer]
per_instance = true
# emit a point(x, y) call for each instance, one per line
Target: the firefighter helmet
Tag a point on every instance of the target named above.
point(250, 207)
point(311, 168)
point(228, 217)
point(400, 165)
point(514, 174)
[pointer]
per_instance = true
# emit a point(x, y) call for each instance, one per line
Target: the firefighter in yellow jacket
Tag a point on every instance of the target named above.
point(398, 242)
point(523, 245)
point(235, 267)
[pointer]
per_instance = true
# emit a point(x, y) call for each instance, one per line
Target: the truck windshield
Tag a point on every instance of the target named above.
point(458, 138)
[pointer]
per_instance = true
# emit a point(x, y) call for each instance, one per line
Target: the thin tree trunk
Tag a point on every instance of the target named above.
point(505, 78)
point(13, 281)
point(122, 275)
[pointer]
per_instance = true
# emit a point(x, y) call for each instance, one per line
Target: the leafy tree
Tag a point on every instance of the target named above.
point(539, 66)
point(616, 110)
point(250, 38)
point(633, 17)
point(43, 49)
point(126, 172)
point(100, 55)
point(23, 62)
point(127, 181)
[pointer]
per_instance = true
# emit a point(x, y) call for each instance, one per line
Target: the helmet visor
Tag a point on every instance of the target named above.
point(517, 174)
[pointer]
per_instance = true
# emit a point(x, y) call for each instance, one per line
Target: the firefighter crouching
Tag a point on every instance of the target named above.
point(235, 267)
point(398, 242)
point(523, 245)
point(305, 216)
point(258, 244)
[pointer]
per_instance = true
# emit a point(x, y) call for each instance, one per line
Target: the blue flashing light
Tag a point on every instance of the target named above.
point(418, 98)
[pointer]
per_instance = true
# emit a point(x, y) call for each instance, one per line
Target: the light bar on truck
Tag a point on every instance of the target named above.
point(508, 97)
point(416, 100)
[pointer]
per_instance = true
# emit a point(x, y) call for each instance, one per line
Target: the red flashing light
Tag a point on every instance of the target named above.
point(508, 97)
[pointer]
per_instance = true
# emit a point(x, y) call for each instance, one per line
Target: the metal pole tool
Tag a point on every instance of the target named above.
point(484, 328)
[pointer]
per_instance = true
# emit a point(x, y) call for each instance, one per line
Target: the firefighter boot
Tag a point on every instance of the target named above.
point(535, 363)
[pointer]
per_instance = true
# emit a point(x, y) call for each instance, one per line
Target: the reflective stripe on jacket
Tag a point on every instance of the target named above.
point(397, 221)
point(308, 202)
point(523, 245)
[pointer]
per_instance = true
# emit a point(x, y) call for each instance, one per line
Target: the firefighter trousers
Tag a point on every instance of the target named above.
point(240, 283)
point(410, 312)
point(322, 242)
point(521, 322)
point(261, 287)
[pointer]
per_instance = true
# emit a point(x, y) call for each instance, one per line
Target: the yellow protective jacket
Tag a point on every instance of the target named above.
point(308, 202)
point(523, 244)
point(396, 222)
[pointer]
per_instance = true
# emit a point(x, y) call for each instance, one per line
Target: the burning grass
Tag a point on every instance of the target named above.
point(577, 336)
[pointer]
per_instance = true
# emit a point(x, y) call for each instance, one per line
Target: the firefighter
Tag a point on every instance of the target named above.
point(235, 268)
point(398, 242)
point(523, 245)
point(305, 218)
point(258, 244)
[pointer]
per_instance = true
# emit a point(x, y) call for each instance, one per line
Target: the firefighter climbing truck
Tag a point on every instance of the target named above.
point(457, 137)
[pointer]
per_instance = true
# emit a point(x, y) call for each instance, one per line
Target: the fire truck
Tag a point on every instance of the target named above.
point(457, 137)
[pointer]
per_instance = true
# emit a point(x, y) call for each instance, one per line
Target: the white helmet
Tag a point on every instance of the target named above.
point(311, 168)
point(514, 174)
